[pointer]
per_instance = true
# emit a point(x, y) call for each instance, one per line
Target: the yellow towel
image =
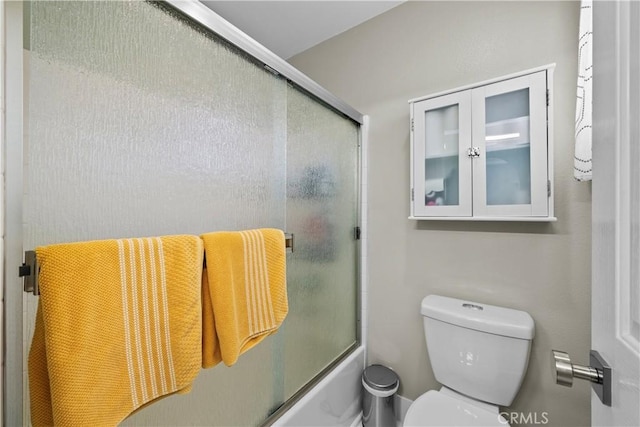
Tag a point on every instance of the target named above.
point(245, 278)
point(118, 325)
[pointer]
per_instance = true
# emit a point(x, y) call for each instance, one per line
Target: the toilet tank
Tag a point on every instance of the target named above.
point(476, 349)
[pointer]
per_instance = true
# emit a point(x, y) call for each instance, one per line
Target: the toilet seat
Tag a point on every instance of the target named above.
point(436, 408)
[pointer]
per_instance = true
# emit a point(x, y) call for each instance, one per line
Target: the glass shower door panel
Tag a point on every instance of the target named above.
point(140, 125)
point(322, 164)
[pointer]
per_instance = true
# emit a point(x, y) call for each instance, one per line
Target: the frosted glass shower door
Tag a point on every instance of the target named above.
point(140, 123)
point(322, 200)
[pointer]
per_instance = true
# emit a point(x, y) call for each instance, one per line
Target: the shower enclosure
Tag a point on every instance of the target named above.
point(139, 120)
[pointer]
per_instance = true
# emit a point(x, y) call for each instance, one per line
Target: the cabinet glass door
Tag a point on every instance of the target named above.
point(441, 175)
point(510, 131)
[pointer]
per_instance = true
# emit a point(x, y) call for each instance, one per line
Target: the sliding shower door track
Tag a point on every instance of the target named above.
point(210, 20)
point(290, 402)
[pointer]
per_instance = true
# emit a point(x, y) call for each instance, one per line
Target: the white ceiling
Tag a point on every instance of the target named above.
point(290, 27)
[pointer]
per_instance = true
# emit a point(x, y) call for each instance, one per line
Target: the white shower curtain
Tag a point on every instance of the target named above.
point(582, 169)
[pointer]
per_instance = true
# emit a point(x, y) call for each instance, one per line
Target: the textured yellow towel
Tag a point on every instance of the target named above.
point(118, 326)
point(246, 281)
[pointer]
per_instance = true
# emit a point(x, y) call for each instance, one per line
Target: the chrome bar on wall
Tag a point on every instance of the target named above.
point(29, 269)
point(214, 22)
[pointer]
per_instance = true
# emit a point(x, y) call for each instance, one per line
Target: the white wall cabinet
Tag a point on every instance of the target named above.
point(484, 152)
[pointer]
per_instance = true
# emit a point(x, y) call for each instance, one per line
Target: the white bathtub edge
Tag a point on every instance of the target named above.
point(338, 392)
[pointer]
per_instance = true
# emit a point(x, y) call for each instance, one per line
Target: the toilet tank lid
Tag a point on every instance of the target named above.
point(481, 317)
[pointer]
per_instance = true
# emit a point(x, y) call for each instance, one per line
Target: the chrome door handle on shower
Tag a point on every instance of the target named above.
point(599, 373)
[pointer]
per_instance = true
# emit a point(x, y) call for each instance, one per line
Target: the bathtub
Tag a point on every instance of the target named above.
point(334, 401)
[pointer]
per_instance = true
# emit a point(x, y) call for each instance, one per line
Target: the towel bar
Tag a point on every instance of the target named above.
point(29, 269)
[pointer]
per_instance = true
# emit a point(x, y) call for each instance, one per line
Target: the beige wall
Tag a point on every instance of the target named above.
point(420, 48)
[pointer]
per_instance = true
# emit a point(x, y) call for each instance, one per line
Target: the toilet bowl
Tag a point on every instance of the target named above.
point(448, 408)
point(479, 353)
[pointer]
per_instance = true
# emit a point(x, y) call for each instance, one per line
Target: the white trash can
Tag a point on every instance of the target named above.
point(380, 385)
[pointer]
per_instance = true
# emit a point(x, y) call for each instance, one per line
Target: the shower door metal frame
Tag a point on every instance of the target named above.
point(211, 21)
point(13, 392)
point(13, 369)
point(206, 17)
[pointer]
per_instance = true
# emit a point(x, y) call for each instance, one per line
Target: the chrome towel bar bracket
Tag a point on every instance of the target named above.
point(29, 272)
point(288, 241)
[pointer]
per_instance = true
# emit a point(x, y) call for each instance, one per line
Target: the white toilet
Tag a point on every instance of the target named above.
point(479, 353)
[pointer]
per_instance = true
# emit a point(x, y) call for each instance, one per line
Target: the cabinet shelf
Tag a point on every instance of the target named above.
point(489, 149)
point(499, 148)
point(441, 156)
point(489, 218)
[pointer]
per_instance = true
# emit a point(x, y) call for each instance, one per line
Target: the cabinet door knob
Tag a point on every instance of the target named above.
point(473, 152)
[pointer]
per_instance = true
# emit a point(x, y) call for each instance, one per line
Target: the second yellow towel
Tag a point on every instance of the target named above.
point(245, 280)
